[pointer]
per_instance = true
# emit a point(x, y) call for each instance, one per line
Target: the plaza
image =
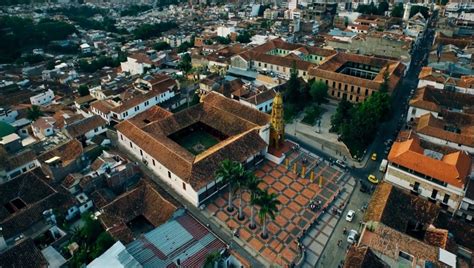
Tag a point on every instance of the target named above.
point(296, 183)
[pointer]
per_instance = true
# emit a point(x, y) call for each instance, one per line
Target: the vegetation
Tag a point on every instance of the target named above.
point(20, 34)
point(357, 125)
point(422, 9)
point(296, 96)
point(212, 258)
point(312, 113)
point(371, 9)
point(255, 193)
point(83, 90)
point(161, 46)
point(20, 2)
point(244, 37)
point(100, 62)
point(82, 15)
point(268, 207)
point(134, 10)
point(398, 10)
point(92, 241)
point(147, 31)
point(185, 63)
point(30, 59)
point(222, 40)
point(185, 46)
point(34, 113)
point(319, 92)
point(228, 171)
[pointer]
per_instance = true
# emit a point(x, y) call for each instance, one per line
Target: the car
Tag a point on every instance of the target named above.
point(374, 156)
point(352, 236)
point(350, 215)
point(373, 179)
point(341, 164)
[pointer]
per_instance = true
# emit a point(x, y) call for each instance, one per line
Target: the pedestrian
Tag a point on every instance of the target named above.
point(344, 231)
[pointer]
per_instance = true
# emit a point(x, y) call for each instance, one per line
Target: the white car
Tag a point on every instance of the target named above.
point(352, 236)
point(350, 215)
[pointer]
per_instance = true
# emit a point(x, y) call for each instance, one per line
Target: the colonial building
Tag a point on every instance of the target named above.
point(279, 57)
point(356, 77)
point(185, 149)
point(436, 174)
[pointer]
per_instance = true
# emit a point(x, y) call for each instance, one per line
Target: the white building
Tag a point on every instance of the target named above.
point(190, 171)
point(224, 31)
point(8, 115)
point(43, 98)
point(136, 64)
point(442, 178)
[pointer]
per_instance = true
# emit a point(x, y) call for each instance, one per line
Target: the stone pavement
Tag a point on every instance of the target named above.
point(291, 182)
point(320, 234)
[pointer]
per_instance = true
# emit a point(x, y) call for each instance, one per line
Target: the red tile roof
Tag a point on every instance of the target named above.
point(453, 168)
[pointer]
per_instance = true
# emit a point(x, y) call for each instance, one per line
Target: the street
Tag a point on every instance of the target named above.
point(333, 254)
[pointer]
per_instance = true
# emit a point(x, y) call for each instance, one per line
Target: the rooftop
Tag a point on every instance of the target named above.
point(237, 124)
point(436, 100)
point(453, 168)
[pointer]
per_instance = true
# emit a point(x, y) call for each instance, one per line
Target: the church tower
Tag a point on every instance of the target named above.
point(277, 131)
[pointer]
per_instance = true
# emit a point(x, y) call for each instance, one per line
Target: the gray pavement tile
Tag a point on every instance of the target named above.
point(313, 232)
point(333, 222)
point(322, 238)
point(327, 230)
point(317, 248)
point(311, 258)
point(307, 241)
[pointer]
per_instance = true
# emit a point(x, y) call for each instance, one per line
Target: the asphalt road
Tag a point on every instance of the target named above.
point(333, 254)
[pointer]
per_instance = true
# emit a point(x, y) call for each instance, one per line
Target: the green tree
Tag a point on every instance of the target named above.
point(161, 46)
point(104, 241)
point(292, 86)
point(242, 177)
point(228, 171)
point(222, 40)
point(184, 47)
point(382, 8)
point(343, 114)
point(255, 192)
point(244, 37)
point(185, 63)
point(34, 113)
point(319, 91)
point(397, 10)
point(212, 258)
point(83, 90)
point(422, 9)
point(268, 208)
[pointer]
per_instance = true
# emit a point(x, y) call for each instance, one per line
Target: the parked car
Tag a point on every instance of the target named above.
point(352, 236)
point(373, 179)
point(341, 164)
point(374, 156)
point(350, 215)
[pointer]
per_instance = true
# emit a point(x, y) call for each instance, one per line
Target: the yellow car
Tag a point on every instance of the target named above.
point(374, 156)
point(373, 179)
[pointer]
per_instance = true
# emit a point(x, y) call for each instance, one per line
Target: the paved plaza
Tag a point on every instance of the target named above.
point(291, 181)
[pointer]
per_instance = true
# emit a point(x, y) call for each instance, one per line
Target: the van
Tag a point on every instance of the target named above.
point(383, 165)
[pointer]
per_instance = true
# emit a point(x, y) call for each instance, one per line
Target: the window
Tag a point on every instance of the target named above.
point(339, 86)
point(446, 199)
point(416, 186)
point(153, 160)
point(333, 84)
point(357, 99)
point(366, 92)
point(141, 152)
point(184, 186)
point(259, 64)
point(131, 145)
point(352, 89)
point(169, 174)
point(413, 111)
point(96, 129)
point(121, 137)
point(434, 193)
point(345, 87)
point(265, 65)
point(358, 90)
point(327, 82)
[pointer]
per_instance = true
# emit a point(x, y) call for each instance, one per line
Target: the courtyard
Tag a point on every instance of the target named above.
point(296, 182)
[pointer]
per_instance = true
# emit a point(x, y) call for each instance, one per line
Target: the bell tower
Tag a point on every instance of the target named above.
point(277, 129)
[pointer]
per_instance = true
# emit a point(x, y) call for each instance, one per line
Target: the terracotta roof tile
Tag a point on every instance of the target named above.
point(25, 255)
point(452, 168)
point(81, 127)
point(68, 152)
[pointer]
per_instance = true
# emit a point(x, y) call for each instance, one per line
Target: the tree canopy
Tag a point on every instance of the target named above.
point(161, 46)
point(147, 31)
point(371, 9)
point(185, 63)
point(19, 34)
point(319, 92)
point(244, 37)
point(83, 90)
point(398, 10)
point(422, 9)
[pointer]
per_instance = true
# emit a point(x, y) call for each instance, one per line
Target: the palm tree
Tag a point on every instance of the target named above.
point(255, 192)
point(268, 207)
point(241, 182)
point(228, 171)
point(34, 113)
point(211, 259)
